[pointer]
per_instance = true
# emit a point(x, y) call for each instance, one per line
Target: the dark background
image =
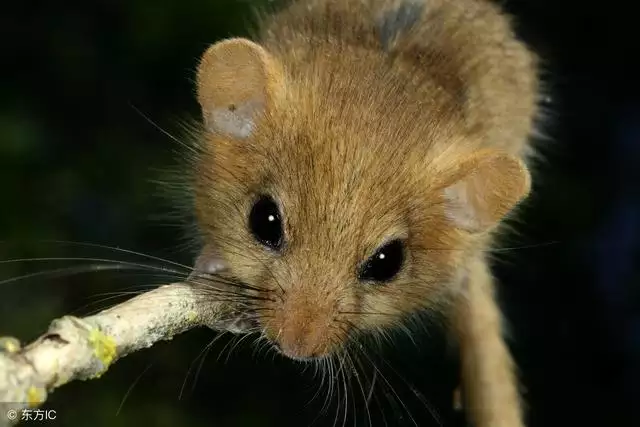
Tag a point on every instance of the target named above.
point(78, 162)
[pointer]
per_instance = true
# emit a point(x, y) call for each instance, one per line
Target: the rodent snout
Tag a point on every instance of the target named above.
point(303, 329)
point(301, 343)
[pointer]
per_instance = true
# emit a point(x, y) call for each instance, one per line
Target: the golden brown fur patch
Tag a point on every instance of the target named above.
point(371, 120)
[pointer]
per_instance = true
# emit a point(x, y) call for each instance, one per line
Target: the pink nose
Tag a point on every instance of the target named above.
point(302, 326)
point(302, 340)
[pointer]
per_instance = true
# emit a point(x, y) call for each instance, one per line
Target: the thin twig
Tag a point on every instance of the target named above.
point(76, 348)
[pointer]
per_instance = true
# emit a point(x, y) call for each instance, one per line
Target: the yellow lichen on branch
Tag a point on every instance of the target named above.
point(76, 348)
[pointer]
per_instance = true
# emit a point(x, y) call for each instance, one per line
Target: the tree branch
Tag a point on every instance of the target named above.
point(84, 348)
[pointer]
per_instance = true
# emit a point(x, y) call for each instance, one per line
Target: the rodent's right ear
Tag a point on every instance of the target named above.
point(237, 80)
point(485, 188)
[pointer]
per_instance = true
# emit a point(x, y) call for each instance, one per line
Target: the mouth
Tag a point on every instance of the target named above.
point(294, 356)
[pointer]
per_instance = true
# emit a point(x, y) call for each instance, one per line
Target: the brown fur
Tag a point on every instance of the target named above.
point(420, 136)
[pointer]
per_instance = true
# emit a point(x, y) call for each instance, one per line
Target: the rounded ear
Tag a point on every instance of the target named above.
point(486, 187)
point(236, 81)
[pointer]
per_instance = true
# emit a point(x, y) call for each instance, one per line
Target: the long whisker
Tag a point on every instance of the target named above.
point(319, 365)
point(372, 388)
point(107, 264)
point(329, 396)
point(373, 313)
point(237, 249)
point(233, 338)
point(222, 280)
point(346, 386)
point(166, 133)
point(133, 265)
point(97, 260)
point(130, 389)
point(115, 295)
point(532, 246)
point(338, 392)
point(203, 351)
point(346, 392)
point(67, 271)
point(235, 346)
point(108, 298)
point(421, 398)
point(373, 383)
point(121, 250)
point(366, 401)
point(375, 367)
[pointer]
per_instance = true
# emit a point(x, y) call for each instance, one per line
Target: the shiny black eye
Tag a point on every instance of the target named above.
point(265, 222)
point(385, 263)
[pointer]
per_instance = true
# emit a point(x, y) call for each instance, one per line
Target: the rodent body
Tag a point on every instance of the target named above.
point(374, 133)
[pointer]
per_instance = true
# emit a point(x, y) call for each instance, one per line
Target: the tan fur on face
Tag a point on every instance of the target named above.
point(367, 121)
point(356, 192)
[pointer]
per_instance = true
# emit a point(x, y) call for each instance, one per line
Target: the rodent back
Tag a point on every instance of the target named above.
point(465, 54)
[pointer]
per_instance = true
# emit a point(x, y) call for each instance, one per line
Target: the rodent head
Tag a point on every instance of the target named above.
point(347, 209)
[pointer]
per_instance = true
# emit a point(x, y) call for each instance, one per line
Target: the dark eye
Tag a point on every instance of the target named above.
point(265, 222)
point(385, 263)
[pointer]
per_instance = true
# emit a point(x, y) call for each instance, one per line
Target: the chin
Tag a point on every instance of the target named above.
point(312, 357)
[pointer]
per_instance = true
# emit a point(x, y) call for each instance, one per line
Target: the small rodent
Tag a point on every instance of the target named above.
point(356, 163)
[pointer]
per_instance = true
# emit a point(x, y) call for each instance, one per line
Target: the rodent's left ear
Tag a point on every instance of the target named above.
point(486, 187)
point(237, 80)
